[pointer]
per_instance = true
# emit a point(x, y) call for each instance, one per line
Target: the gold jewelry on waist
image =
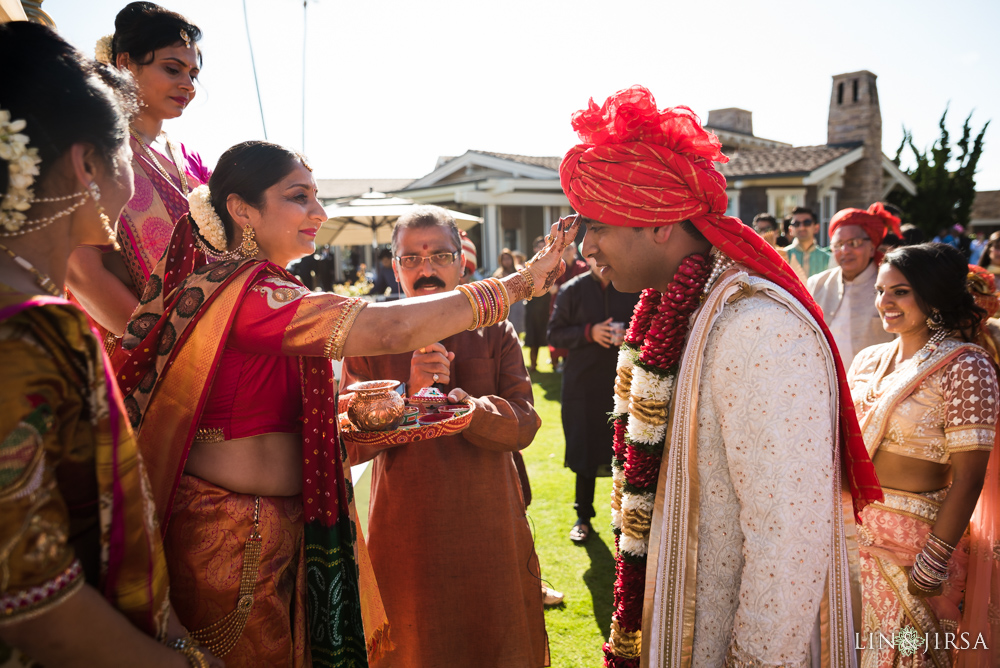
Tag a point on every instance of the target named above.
point(209, 435)
point(220, 637)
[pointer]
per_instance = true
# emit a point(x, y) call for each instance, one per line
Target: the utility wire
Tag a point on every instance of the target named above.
point(305, 24)
point(260, 104)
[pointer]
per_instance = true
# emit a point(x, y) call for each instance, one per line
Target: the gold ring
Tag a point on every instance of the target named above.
point(548, 238)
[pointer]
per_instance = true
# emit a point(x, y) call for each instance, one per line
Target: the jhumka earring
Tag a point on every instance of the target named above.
point(935, 321)
point(249, 247)
point(112, 232)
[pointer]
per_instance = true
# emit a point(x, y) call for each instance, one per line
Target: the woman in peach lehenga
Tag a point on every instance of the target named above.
point(927, 404)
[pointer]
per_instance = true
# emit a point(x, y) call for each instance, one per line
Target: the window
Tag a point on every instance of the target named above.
point(854, 87)
point(733, 207)
point(781, 201)
point(840, 93)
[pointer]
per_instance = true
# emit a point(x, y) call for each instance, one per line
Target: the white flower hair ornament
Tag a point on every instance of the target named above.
point(22, 168)
point(206, 219)
point(103, 51)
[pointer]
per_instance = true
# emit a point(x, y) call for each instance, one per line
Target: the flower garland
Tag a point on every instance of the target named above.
point(22, 168)
point(647, 374)
point(103, 50)
point(208, 221)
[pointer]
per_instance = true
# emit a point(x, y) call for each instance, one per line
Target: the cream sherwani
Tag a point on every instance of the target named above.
point(747, 561)
point(849, 310)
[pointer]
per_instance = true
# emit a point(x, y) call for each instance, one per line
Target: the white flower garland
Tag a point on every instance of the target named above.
point(102, 50)
point(645, 386)
point(205, 217)
point(22, 168)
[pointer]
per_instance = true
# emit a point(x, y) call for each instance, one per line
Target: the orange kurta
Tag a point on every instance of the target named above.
point(451, 546)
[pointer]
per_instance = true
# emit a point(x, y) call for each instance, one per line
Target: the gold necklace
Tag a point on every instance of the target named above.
point(43, 281)
point(156, 163)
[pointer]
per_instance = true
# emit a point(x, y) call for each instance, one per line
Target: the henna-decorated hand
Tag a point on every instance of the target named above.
point(547, 265)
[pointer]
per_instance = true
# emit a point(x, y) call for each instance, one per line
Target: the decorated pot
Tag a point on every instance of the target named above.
point(376, 406)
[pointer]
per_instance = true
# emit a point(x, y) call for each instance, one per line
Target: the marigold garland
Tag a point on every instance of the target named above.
point(647, 373)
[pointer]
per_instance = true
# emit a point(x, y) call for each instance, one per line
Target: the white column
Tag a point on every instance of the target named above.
point(491, 238)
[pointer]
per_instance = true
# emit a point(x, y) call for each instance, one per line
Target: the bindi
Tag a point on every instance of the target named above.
point(425, 246)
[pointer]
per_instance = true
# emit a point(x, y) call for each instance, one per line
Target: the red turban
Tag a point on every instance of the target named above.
point(639, 166)
point(468, 253)
point(876, 222)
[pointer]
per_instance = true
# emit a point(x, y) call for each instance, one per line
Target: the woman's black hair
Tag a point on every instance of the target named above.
point(143, 27)
point(64, 97)
point(247, 170)
point(938, 273)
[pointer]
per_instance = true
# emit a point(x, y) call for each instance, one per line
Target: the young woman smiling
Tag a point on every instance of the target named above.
point(159, 48)
point(927, 404)
point(230, 387)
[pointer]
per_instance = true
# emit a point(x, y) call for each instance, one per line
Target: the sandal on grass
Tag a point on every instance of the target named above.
point(580, 532)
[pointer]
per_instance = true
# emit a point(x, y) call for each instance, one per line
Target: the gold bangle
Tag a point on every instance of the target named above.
point(191, 651)
point(476, 310)
point(526, 274)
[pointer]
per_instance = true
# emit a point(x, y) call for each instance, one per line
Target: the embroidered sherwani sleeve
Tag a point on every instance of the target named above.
point(772, 393)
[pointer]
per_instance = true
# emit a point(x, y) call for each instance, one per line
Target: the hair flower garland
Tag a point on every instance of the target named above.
point(22, 168)
point(206, 219)
point(647, 374)
point(103, 50)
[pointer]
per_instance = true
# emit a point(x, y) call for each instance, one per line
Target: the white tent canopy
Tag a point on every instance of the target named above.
point(369, 220)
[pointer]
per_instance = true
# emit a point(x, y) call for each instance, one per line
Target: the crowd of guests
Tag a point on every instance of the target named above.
point(175, 478)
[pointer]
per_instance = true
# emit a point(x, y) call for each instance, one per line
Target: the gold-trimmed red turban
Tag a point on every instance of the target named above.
point(640, 166)
point(876, 222)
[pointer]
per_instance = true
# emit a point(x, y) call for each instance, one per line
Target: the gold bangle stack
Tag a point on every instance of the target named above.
point(490, 302)
point(191, 651)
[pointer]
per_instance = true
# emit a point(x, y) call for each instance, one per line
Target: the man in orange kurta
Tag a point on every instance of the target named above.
point(449, 541)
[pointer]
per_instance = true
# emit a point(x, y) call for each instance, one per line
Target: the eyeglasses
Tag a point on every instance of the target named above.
point(850, 243)
point(806, 223)
point(416, 261)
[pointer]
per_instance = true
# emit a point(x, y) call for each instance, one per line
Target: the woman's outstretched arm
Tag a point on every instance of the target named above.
point(398, 327)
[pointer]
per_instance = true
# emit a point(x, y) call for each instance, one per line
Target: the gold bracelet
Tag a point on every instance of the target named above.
point(191, 651)
point(519, 288)
point(476, 310)
point(526, 273)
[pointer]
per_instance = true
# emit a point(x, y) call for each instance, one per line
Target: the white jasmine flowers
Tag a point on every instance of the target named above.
point(208, 221)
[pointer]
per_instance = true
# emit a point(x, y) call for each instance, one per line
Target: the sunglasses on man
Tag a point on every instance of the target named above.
point(800, 223)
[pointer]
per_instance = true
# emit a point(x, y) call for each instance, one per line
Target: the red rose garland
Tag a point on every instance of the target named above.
point(653, 346)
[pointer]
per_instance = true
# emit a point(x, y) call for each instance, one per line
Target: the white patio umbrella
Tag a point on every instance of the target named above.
point(369, 219)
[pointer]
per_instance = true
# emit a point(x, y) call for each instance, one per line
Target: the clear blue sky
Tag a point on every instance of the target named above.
point(393, 84)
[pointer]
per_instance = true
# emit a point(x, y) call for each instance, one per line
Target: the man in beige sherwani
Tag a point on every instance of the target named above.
point(740, 540)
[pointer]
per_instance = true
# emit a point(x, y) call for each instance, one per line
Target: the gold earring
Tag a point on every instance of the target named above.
point(112, 232)
point(248, 248)
point(935, 321)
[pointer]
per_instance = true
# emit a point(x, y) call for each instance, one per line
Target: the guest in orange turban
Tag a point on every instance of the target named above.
point(876, 222)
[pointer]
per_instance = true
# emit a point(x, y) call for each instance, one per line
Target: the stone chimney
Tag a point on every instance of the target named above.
point(732, 119)
point(855, 116)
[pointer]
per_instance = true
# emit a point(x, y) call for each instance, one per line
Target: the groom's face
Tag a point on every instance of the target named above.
point(621, 254)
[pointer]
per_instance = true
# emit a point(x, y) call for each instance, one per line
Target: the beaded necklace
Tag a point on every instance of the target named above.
point(156, 163)
point(43, 281)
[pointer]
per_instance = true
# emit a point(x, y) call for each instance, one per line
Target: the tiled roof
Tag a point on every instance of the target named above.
point(986, 206)
point(548, 162)
point(337, 188)
point(784, 160)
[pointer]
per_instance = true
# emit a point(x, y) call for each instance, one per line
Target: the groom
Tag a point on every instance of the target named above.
point(727, 510)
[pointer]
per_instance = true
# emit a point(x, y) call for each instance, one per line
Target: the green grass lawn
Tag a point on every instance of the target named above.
point(579, 626)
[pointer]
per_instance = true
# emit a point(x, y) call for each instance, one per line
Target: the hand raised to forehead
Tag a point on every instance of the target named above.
point(547, 265)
